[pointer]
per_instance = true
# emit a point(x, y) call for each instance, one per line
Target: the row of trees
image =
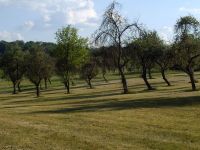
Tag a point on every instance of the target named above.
point(17, 61)
point(134, 44)
point(117, 46)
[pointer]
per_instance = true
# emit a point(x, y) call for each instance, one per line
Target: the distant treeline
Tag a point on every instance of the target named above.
point(48, 46)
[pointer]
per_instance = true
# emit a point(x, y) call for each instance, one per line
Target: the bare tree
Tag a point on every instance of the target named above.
point(115, 31)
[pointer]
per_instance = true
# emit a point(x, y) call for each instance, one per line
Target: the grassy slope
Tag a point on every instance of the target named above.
point(102, 118)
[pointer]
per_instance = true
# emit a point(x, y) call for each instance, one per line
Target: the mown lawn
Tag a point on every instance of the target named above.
point(102, 118)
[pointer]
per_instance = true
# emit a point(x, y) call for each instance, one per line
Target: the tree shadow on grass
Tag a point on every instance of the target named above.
point(94, 95)
point(129, 104)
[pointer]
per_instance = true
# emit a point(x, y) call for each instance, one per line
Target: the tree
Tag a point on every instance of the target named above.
point(37, 66)
point(151, 65)
point(187, 45)
point(12, 63)
point(165, 60)
point(89, 71)
point(143, 49)
point(115, 31)
point(71, 53)
point(48, 70)
point(3, 46)
point(104, 58)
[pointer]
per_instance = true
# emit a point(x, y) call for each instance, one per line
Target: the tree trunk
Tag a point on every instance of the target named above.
point(164, 77)
point(149, 73)
point(192, 80)
point(37, 90)
point(123, 80)
point(18, 86)
point(14, 88)
point(67, 86)
point(144, 76)
point(121, 68)
point(89, 83)
point(105, 77)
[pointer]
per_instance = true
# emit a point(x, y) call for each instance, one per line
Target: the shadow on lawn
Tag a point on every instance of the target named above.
point(66, 97)
point(112, 105)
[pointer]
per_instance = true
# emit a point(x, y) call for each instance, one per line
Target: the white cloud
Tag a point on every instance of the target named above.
point(82, 13)
point(166, 33)
point(75, 11)
point(190, 10)
point(168, 29)
point(29, 24)
point(47, 18)
point(10, 36)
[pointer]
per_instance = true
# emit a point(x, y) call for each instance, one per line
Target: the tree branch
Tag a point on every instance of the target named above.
point(129, 26)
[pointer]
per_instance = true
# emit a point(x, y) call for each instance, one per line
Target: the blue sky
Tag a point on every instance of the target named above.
point(38, 20)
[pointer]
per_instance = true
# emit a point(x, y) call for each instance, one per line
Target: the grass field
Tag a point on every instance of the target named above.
point(102, 118)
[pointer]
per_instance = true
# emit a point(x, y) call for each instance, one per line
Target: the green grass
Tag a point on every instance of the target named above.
point(102, 118)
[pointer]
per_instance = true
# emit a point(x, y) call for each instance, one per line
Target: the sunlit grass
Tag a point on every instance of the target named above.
point(102, 118)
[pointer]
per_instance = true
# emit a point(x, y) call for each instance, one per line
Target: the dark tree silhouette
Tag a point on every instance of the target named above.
point(37, 66)
point(165, 60)
point(143, 49)
point(104, 58)
point(89, 71)
point(12, 63)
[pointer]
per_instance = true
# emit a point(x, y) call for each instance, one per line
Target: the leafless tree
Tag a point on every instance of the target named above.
point(116, 31)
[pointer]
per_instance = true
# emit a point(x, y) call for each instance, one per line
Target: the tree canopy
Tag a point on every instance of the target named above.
point(71, 53)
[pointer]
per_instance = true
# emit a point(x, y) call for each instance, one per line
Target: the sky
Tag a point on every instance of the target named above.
point(38, 20)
